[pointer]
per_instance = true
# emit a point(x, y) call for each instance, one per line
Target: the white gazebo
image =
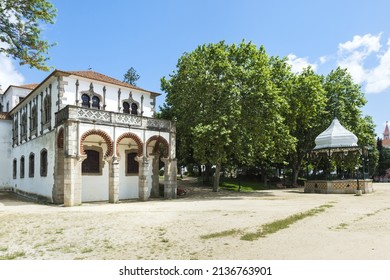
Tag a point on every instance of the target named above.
point(337, 139)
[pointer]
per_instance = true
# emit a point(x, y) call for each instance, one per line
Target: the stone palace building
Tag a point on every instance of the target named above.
point(82, 136)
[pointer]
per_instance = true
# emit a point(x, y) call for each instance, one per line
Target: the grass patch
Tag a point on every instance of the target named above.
point(269, 228)
point(220, 234)
point(342, 226)
point(59, 231)
point(86, 250)
point(12, 256)
point(277, 225)
point(243, 185)
point(68, 249)
point(3, 248)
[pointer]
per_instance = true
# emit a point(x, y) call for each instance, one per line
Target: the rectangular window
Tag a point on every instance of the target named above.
point(31, 166)
point(91, 165)
point(43, 163)
point(14, 171)
point(131, 164)
point(22, 167)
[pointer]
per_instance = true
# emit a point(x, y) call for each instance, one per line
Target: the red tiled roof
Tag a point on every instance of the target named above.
point(29, 86)
point(4, 116)
point(100, 77)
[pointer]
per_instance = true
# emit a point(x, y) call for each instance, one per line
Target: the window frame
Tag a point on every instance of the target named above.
point(43, 163)
point(31, 165)
point(46, 109)
point(134, 109)
point(99, 171)
point(95, 104)
point(14, 168)
point(128, 171)
point(22, 169)
point(126, 110)
point(84, 103)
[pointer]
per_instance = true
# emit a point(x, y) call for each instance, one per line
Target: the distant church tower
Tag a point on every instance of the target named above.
point(386, 137)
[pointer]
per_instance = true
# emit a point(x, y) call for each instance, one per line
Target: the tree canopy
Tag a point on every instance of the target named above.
point(236, 106)
point(131, 77)
point(227, 109)
point(20, 30)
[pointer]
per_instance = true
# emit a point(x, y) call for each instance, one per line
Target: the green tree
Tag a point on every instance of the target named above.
point(383, 159)
point(345, 101)
point(20, 30)
point(306, 102)
point(131, 77)
point(227, 109)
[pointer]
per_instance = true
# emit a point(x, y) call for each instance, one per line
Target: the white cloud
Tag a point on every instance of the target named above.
point(367, 44)
point(323, 59)
point(378, 79)
point(354, 56)
point(299, 63)
point(8, 74)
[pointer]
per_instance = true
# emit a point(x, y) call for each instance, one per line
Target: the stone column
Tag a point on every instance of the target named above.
point(104, 98)
point(72, 165)
point(155, 176)
point(61, 92)
point(72, 180)
point(58, 188)
point(143, 177)
point(77, 92)
point(113, 196)
point(170, 178)
point(119, 100)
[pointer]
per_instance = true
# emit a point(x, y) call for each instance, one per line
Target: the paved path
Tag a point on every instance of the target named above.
point(351, 228)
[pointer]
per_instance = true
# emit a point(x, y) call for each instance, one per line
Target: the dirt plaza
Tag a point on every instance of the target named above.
point(201, 225)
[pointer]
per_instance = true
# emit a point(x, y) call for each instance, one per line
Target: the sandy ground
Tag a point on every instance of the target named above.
point(352, 227)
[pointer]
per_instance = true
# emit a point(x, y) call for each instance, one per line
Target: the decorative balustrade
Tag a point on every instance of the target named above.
point(158, 124)
point(120, 119)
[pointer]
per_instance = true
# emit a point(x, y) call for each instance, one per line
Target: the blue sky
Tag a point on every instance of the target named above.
point(112, 36)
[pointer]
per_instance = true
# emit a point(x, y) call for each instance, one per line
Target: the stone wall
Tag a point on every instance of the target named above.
point(338, 186)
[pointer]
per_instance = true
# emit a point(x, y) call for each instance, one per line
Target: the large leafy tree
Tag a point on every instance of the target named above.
point(20, 30)
point(345, 101)
point(313, 102)
point(306, 101)
point(226, 107)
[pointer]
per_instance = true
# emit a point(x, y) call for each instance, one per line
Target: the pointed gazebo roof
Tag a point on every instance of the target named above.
point(335, 136)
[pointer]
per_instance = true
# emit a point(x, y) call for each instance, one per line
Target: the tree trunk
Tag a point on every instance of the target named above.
point(199, 169)
point(295, 172)
point(207, 175)
point(216, 178)
point(264, 176)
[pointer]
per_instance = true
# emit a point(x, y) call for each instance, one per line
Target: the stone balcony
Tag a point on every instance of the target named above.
point(94, 116)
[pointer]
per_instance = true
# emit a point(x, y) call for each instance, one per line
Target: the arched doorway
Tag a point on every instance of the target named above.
point(128, 147)
point(96, 146)
point(157, 147)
